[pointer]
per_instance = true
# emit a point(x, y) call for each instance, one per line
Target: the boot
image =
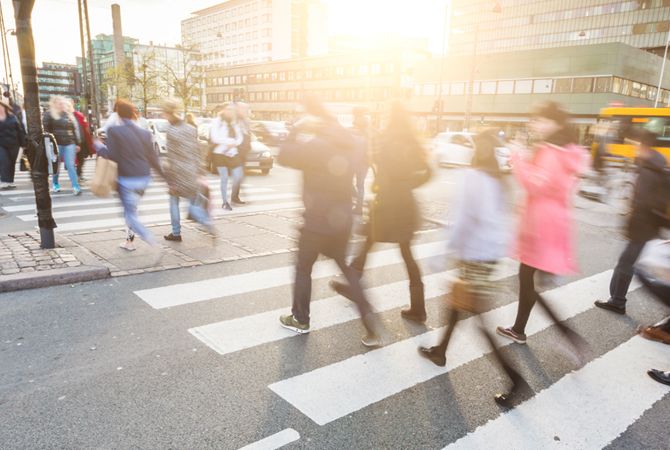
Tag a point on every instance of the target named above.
point(417, 310)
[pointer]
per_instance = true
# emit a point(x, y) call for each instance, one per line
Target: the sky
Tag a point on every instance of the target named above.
point(56, 32)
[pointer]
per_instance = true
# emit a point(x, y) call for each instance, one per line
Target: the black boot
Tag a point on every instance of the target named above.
point(417, 309)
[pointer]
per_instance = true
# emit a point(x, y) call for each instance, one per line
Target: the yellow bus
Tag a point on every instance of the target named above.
point(614, 123)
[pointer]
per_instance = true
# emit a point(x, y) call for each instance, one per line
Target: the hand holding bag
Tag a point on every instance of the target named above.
point(104, 180)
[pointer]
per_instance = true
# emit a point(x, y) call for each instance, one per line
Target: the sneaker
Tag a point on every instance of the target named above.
point(433, 354)
point(290, 323)
point(226, 206)
point(56, 187)
point(511, 334)
point(610, 306)
point(11, 186)
point(237, 201)
point(173, 237)
point(655, 333)
point(4, 186)
point(371, 340)
point(128, 246)
point(77, 191)
point(660, 376)
point(415, 316)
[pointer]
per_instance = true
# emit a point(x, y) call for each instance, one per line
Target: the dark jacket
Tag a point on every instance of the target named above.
point(644, 223)
point(324, 154)
point(400, 166)
point(63, 129)
point(12, 134)
point(132, 149)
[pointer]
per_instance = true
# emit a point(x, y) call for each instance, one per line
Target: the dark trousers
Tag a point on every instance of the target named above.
point(8, 158)
point(623, 272)
point(528, 296)
point(310, 246)
point(413, 272)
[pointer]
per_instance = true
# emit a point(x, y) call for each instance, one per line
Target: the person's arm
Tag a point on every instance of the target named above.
point(151, 155)
point(21, 135)
point(110, 151)
point(219, 135)
point(467, 211)
point(538, 176)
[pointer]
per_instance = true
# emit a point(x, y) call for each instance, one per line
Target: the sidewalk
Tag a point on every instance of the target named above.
point(91, 255)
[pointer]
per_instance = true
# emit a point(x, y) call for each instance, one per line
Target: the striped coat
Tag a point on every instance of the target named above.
point(183, 158)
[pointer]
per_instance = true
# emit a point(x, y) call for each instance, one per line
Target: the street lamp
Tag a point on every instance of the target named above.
point(497, 9)
point(11, 31)
point(660, 77)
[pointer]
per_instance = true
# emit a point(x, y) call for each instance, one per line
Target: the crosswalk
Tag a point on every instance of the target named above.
point(86, 212)
point(566, 414)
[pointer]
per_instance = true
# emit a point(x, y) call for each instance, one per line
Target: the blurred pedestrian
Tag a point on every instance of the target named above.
point(131, 147)
point(189, 118)
point(361, 132)
point(183, 171)
point(548, 173)
point(86, 148)
point(226, 137)
point(243, 111)
point(60, 122)
point(322, 150)
point(12, 138)
point(643, 223)
point(16, 109)
point(400, 165)
point(480, 235)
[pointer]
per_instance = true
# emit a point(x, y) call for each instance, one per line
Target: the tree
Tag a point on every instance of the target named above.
point(145, 78)
point(39, 165)
point(184, 78)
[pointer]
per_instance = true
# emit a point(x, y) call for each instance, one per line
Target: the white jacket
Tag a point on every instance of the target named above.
point(225, 144)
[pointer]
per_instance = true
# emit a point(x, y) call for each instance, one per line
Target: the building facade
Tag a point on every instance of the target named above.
point(153, 72)
point(59, 79)
point(239, 32)
point(511, 25)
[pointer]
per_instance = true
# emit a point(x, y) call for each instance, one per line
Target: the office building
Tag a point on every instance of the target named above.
point(239, 32)
point(58, 79)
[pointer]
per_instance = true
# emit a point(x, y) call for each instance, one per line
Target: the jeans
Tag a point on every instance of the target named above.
point(131, 189)
point(623, 272)
point(310, 246)
point(361, 174)
point(69, 154)
point(199, 214)
point(237, 173)
point(8, 158)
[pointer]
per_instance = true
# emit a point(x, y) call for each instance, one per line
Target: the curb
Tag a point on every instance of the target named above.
point(32, 280)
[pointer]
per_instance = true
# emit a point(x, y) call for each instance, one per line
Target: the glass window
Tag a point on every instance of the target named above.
point(582, 85)
point(616, 85)
point(602, 84)
point(457, 88)
point(428, 89)
point(562, 85)
point(505, 87)
point(523, 86)
point(542, 86)
point(636, 89)
point(488, 87)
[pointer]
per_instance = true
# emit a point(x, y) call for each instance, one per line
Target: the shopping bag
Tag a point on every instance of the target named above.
point(104, 180)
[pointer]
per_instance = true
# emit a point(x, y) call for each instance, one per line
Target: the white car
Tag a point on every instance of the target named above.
point(158, 129)
point(454, 148)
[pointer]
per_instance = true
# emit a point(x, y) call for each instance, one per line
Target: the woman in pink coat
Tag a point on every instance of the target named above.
point(549, 176)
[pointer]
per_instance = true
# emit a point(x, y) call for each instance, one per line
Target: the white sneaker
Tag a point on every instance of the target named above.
point(371, 340)
point(128, 246)
point(4, 186)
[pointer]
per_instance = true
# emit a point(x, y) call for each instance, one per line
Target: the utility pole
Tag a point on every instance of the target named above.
point(87, 97)
point(6, 55)
point(36, 153)
point(91, 58)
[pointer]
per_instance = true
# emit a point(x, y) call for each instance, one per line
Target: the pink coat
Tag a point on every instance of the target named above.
point(545, 239)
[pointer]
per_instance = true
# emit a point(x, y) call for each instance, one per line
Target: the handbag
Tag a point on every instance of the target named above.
point(104, 180)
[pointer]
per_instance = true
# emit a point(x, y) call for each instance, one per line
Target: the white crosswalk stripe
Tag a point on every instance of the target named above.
point(570, 408)
point(85, 213)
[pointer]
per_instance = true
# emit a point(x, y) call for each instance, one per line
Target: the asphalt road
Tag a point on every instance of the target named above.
point(110, 364)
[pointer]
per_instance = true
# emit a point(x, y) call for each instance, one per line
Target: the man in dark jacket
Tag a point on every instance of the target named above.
point(323, 151)
point(644, 224)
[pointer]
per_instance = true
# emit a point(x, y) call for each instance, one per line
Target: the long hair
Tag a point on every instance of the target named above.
point(484, 157)
point(400, 132)
point(54, 112)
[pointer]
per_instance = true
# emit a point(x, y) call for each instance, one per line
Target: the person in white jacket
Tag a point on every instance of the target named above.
point(226, 137)
point(480, 237)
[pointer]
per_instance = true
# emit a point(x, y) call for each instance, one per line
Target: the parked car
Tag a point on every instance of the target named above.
point(270, 132)
point(259, 157)
point(158, 129)
point(453, 148)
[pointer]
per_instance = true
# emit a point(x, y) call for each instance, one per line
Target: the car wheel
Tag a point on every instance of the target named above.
point(265, 171)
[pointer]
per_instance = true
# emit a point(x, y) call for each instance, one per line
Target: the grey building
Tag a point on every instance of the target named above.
point(59, 79)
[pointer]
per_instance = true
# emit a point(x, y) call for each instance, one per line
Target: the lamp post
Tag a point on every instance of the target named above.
point(660, 77)
point(497, 9)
